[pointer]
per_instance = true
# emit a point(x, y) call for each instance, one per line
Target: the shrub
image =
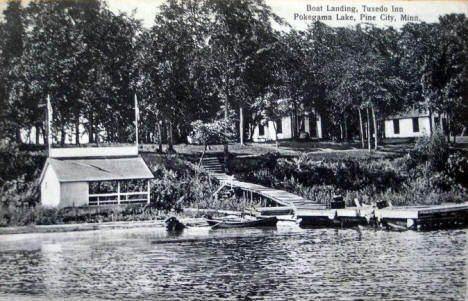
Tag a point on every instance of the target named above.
point(23, 216)
point(432, 149)
point(178, 184)
point(457, 168)
point(403, 181)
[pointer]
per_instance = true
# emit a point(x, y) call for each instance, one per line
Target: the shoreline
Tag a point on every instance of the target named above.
point(189, 221)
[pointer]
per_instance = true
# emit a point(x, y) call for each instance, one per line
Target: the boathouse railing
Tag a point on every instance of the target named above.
point(118, 198)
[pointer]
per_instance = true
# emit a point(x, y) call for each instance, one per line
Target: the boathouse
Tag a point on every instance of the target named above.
point(70, 178)
point(91, 175)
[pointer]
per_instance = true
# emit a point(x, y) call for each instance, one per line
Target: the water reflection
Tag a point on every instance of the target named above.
point(259, 264)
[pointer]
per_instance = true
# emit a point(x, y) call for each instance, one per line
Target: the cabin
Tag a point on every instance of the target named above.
point(412, 124)
point(309, 124)
point(74, 177)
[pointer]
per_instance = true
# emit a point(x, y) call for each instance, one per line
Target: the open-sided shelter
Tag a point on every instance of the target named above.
point(70, 178)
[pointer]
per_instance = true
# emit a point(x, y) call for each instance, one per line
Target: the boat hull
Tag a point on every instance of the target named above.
point(223, 224)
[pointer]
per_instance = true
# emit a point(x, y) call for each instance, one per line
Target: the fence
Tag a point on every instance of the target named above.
point(119, 198)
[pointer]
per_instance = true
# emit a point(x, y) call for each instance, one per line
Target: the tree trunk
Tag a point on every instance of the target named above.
point(241, 125)
point(368, 130)
point(361, 128)
point(448, 128)
point(38, 132)
point(63, 135)
point(276, 134)
point(18, 135)
point(341, 132)
point(292, 127)
point(160, 137)
point(375, 128)
point(430, 123)
point(171, 144)
point(44, 134)
point(345, 124)
point(91, 128)
point(77, 131)
point(296, 125)
point(226, 116)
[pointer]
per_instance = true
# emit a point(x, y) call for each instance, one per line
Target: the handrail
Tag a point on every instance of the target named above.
point(116, 194)
point(215, 194)
point(118, 197)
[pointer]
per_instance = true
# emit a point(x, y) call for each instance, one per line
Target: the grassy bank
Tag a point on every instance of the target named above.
point(177, 184)
point(428, 174)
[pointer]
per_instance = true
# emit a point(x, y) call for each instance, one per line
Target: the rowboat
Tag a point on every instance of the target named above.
point(242, 223)
point(395, 227)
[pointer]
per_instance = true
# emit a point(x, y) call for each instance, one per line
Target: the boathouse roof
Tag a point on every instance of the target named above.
point(102, 169)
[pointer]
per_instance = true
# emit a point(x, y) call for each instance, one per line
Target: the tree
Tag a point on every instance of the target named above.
point(435, 56)
point(11, 49)
point(361, 75)
point(454, 70)
point(70, 56)
point(50, 64)
point(239, 31)
point(208, 132)
point(272, 109)
point(173, 77)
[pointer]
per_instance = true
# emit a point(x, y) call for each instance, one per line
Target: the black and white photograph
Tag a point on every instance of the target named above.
point(233, 150)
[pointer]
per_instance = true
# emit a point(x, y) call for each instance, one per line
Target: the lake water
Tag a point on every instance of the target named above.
point(286, 263)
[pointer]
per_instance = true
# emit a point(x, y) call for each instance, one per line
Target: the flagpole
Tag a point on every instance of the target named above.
point(136, 121)
point(49, 124)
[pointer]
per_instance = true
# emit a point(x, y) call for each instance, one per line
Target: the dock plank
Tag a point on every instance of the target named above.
point(279, 196)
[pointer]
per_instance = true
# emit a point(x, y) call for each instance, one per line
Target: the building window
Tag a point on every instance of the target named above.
point(415, 125)
point(261, 130)
point(396, 126)
point(279, 126)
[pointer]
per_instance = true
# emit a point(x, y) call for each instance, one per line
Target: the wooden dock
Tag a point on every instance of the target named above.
point(280, 197)
point(314, 214)
point(413, 218)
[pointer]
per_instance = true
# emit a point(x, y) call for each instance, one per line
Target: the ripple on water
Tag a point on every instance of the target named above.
point(270, 264)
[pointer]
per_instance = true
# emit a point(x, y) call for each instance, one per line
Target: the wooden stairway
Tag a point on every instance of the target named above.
point(212, 165)
point(283, 198)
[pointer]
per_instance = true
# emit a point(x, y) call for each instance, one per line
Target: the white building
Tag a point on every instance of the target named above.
point(70, 175)
point(310, 125)
point(412, 124)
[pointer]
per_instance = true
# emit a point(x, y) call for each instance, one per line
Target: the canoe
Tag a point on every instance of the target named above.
point(395, 227)
point(225, 224)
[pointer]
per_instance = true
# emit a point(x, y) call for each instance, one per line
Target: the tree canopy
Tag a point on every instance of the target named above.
point(205, 60)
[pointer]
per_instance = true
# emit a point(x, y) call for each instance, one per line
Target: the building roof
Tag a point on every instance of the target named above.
point(409, 114)
point(87, 170)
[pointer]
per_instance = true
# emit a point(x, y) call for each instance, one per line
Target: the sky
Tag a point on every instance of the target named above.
point(301, 13)
point(293, 11)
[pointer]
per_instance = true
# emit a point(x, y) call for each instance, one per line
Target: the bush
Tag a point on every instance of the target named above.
point(403, 181)
point(434, 150)
point(179, 184)
point(23, 216)
point(457, 168)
